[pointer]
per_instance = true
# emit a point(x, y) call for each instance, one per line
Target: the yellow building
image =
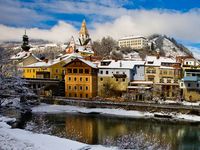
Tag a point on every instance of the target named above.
point(81, 79)
point(190, 85)
point(136, 42)
point(164, 73)
point(48, 69)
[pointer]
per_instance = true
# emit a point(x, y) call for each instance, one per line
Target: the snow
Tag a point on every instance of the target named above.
point(66, 58)
point(157, 62)
point(15, 102)
point(18, 139)
point(132, 37)
point(45, 108)
point(170, 49)
point(121, 64)
point(21, 55)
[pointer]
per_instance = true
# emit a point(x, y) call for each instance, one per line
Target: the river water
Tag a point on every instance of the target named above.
point(115, 131)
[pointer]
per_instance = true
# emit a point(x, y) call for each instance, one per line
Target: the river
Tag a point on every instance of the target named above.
point(114, 131)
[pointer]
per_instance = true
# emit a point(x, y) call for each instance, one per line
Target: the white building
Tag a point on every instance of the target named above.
point(135, 42)
point(130, 69)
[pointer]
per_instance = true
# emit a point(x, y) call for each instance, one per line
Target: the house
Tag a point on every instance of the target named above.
point(135, 42)
point(114, 76)
point(24, 57)
point(190, 85)
point(164, 73)
point(81, 79)
point(48, 69)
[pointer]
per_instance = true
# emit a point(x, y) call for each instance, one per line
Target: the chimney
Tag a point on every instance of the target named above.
point(46, 60)
point(157, 54)
point(120, 64)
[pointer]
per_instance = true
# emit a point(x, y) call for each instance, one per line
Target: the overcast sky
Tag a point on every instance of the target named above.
point(58, 20)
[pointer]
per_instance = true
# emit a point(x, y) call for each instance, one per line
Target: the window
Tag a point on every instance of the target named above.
point(123, 80)
point(75, 79)
point(197, 84)
point(81, 95)
point(74, 87)
point(33, 70)
point(69, 70)
point(70, 94)
point(116, 79)
point(101, 72)
point(101, 79)
point(86, 95)
point(86, 88)
point(87, 71)
point(56, 77)
point(181, 84)
point(56, 70)
point(189, 85)
point(74, 70)
point(81, 87)
point(75, 95)
point(69, 87)
point(86, 79)
point(80, 78)
point(80, 70)
point(69, 78)
point(106, 72)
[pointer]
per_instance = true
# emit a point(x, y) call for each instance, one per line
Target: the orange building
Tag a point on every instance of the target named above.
point(81, 79)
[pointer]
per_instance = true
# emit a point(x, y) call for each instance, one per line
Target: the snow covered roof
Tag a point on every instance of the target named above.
point(21, 55)
point(89, 63)
point(65, 58)
point(132, 37)
point(85, 49)
point(154, 61)
point(120, 64)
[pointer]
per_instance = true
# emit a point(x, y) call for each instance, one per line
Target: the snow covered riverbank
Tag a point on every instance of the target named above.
point(46, 108)
point(18, 139)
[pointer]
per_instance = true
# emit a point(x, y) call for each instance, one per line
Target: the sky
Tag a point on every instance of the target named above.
point(58, 20)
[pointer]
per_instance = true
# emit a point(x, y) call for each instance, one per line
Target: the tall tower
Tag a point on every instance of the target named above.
point(83, 34)
point(25, 45)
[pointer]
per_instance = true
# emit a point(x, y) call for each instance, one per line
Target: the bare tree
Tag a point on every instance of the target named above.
point(105, 46)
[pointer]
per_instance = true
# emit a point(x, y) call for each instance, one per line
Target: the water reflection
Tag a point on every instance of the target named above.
point(123, 132)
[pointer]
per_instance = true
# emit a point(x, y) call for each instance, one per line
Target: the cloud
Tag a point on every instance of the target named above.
point(59, 33)
point(14, 13)
point(182, 26)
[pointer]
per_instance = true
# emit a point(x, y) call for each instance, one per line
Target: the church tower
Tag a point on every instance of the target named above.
point(83, 34)
point(25, 46)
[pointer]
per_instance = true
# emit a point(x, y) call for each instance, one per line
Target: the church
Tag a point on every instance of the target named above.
point(81, 45)
point(24, 57)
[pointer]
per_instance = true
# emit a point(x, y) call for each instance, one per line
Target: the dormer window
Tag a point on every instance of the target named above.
point(150, 62)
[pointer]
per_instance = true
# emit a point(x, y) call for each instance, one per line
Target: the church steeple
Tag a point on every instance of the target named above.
point(25, 45)
point(83, 34)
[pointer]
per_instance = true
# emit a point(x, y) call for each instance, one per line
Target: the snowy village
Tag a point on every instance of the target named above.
point(136, 91)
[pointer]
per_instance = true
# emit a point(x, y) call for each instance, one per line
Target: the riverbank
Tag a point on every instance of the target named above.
point(46, 108)
point(146, 106)
point(19, 139)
